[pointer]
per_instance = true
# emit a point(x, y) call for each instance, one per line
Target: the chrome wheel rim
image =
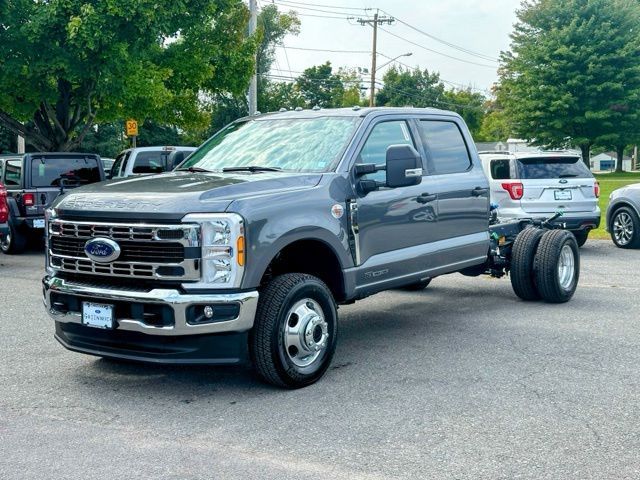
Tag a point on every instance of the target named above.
point(623, 228)
point(6, 242)
point(306, 332)
point(566, 267)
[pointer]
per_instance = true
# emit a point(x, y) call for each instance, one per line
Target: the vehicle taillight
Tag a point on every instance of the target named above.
point(4, 207)
point(28, 199)
point(515, 189)
point(596, 189)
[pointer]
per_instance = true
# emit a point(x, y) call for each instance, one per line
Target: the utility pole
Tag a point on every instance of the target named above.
point(253, 86)
point(374, 22)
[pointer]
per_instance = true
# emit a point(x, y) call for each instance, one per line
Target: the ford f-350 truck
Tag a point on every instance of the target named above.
point(245, 251)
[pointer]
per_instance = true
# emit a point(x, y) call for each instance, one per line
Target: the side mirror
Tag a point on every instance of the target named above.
point(404, 166)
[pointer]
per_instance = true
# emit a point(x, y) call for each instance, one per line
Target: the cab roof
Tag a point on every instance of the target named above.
point(347, 112)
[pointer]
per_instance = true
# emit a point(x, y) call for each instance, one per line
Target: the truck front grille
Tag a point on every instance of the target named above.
point(167, 252)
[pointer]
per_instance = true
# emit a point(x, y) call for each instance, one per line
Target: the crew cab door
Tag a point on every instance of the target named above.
point(462, 190)
point(393, 228)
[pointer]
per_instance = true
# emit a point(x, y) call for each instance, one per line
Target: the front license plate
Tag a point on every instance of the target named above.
point(38, 223)
point(562, 194)
point(97, 315)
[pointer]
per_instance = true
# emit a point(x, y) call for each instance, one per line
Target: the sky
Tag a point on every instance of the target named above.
point(480, 26)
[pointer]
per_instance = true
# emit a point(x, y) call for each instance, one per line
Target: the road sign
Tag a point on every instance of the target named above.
point(132, 128)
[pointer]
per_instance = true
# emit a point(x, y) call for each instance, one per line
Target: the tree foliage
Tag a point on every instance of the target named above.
point(67, 64)
point(417, 88)
point(319, 86)
point(470, 105)
point(573, 75)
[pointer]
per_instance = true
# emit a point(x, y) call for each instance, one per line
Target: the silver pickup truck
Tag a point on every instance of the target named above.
point(243, 253)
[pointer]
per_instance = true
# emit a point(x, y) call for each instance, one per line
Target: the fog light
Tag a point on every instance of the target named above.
point(208, 311)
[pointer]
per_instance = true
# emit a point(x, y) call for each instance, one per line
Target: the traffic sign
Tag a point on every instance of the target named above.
point(132, 128)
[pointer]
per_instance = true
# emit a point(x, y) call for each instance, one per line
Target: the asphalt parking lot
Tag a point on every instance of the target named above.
point(462, 380)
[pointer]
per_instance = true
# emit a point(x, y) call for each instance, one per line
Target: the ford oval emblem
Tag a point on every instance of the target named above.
point(564, 180)
point(102, 250)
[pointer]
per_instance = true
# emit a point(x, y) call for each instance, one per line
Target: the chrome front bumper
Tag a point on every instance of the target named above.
point(178, 301)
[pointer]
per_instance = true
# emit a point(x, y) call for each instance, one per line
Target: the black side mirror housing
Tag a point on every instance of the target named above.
point(404, 166)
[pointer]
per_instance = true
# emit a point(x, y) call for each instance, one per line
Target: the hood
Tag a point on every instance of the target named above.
point(170, 196)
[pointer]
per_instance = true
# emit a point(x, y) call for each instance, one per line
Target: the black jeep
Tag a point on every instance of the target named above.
point(33, 181)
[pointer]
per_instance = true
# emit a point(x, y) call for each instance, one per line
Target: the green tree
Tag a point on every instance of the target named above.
point(321, 87)
point(495, 127)
point(107, 140)
point(417, 88)
point(470, 105)
point(7, 141)
point(572, 75)
point(67, 64)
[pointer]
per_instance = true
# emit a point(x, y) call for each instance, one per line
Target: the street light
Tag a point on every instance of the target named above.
point(394, 59)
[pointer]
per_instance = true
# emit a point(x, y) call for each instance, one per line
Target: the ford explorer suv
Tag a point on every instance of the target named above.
point(538, 184)
point(33, 181)
point(147, 160)
point(244, 252)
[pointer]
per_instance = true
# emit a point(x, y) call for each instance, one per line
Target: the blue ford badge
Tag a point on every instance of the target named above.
point(102, 250)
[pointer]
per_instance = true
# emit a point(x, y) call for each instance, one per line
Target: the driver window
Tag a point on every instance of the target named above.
point(381, 137)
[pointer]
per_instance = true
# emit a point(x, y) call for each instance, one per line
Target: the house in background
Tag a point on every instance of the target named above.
point(606, 162)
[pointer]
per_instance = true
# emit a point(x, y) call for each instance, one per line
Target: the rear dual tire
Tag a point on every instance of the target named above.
point(545, 265)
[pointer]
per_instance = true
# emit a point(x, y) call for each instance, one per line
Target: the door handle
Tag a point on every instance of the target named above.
point(479, 191)
point(426, 198)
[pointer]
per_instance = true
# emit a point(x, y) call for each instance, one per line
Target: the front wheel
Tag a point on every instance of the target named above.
point(625, 228)
point(557, 266)
point(295, 332)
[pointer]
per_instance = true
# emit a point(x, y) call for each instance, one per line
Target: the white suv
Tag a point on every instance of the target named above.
point(531, 185)
point(148, 160)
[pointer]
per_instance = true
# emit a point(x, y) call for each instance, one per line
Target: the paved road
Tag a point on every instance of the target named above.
point(460, 381)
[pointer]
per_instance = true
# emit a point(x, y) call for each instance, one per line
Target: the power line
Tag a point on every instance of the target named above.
point(326, 50)
point(448, 44)
point(319, 5)
point(310, 9)
point(437, 52)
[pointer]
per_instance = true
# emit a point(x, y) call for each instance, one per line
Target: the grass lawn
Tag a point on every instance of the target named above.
point(608, 183)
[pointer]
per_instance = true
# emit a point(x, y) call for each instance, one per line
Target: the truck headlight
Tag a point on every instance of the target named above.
point(222, 244)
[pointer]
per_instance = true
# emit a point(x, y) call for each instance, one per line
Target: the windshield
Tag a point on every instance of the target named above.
point(552, 167)
point(60, 171)
point(301, 145)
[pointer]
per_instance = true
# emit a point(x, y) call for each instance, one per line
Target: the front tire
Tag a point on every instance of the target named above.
point(625, 228)
point(557, 266)
point(14, 242)
point(295, 332)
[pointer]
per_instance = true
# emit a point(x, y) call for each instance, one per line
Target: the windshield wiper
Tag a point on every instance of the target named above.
point(251, 168)
point(194, 170)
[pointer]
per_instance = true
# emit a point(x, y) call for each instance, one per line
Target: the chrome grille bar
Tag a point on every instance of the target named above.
point(151, 251)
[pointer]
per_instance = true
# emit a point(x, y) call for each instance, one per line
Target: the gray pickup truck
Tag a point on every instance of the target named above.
point(243, 253)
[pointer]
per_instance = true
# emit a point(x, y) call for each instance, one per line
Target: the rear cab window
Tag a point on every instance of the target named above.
point(151, 162)
point(60, 171)
point(552, 167)
point(13, 173)
point(445, 145)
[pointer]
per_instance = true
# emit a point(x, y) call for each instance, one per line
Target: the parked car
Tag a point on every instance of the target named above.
point(33, 181)
point(243, 253)
point(146, 160)
point(534, 185)
point(107, 164)
point(4, 212)
point(623, 216)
